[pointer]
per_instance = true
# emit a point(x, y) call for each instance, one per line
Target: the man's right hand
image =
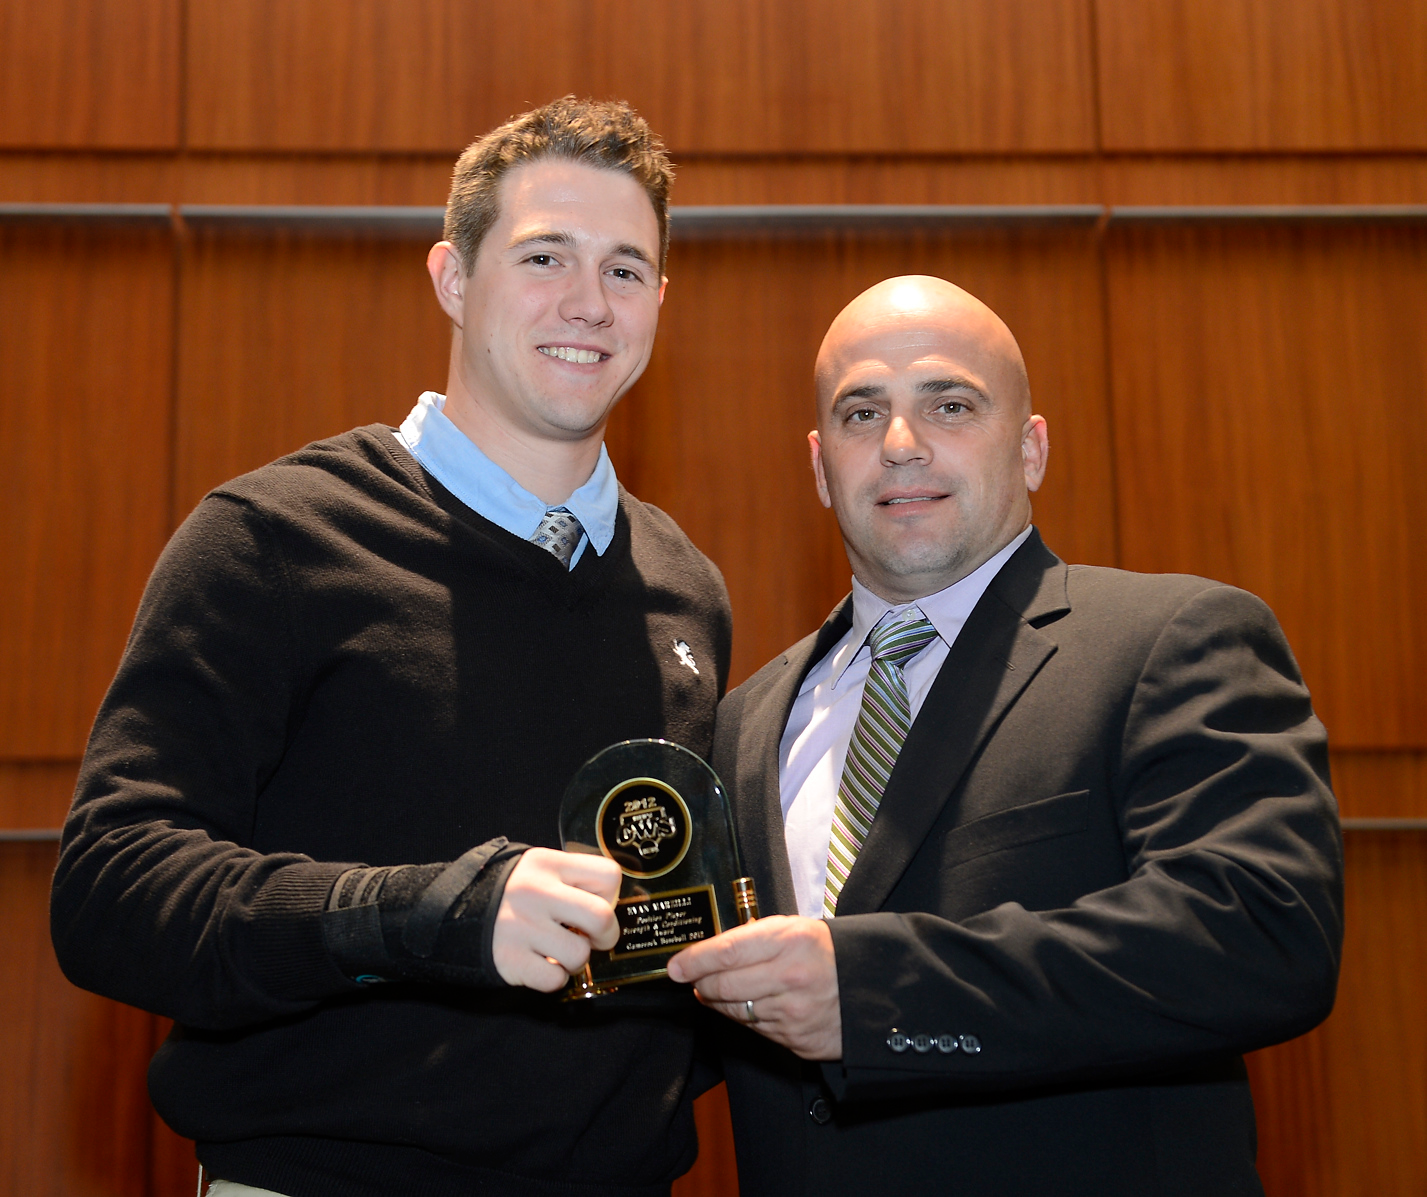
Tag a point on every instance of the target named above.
point(556, 905)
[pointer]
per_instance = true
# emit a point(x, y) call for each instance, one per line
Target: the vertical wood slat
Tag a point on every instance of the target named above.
point(89, 73)
point(1342, 1111)
point(86, 346)
point(715, 1172)
point(289, 337)
point(173, 1165)
point(799, 76)
point(74, 1112)
point(1381, 785)
point(35, 794)
point(1259, 379)
point(1262, 74)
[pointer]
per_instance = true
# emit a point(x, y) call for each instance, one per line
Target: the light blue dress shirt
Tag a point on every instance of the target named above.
point(455, 461)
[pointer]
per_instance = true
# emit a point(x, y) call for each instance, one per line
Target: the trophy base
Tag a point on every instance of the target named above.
point(583, 985)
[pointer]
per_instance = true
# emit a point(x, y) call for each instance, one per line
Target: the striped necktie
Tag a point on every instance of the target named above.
point(559, 534)
point(882, 725)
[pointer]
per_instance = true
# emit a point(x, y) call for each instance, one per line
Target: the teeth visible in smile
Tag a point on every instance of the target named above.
point(586, 357)
point(912, 499)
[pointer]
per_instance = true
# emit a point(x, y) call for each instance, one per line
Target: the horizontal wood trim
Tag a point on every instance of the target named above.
point(736, 218)
point(739, 218)
point(1272, 212)
point(329, 178)
point(387, 218)
point(92, 213)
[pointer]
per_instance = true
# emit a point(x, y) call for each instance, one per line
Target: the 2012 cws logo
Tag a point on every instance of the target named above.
point(643, 826)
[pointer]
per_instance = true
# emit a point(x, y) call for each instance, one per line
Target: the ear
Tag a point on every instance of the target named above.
point(815, 448)
point(448, 276)
point(1035, 448)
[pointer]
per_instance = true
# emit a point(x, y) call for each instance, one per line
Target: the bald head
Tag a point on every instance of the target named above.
point(926, 448)
point(924, 307)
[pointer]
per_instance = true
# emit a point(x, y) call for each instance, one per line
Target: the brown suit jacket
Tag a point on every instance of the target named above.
point(1107, 862)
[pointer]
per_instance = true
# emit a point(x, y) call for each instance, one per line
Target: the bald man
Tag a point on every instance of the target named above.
point(1047, 847)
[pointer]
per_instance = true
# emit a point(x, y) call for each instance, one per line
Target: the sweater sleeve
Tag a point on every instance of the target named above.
point(155, 900)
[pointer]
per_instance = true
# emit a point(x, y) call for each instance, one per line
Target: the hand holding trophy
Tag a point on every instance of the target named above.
point(661, 814)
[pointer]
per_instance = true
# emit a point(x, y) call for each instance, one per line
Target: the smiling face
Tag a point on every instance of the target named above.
point(556, 318)
point(926, 448)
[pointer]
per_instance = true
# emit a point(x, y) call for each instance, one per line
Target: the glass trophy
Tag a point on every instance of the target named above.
point(661, 814)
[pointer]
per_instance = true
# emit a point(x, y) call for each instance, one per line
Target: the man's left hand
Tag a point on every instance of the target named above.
point(786, 968)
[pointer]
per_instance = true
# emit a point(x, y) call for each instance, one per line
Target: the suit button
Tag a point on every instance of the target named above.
point(923, 1042)
point(946, 1044)
point(899, 1041)
point(970, 1044)
point(820, 1111)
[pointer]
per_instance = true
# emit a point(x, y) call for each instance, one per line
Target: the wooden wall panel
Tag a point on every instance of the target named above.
point(1264, 382)
point(1381, 785)
point(715, 431)
point(715, 1172)
point(1262, 74)
point(1343, 1111)
point(74, 1112)
point(800, 75)
point(89, 73)
point(173, 1165)
point(85, 367)
point(35, 793)
point(290, 337)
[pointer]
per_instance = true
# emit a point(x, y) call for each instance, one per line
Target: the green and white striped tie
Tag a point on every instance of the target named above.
point(882, 725)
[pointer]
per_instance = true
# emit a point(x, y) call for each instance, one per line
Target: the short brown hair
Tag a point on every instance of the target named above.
point(606, 134)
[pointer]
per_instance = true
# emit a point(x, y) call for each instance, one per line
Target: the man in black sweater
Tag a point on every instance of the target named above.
point(358, 683)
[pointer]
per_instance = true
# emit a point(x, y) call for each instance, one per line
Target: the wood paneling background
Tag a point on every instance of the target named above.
point(741, 324)
point(1262, 74)
point(86, 352)
point(1263, 381)
point(290, 337)
point(1238, 399)
point(797, 76)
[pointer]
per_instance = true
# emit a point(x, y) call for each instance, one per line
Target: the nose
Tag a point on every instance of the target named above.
point(900, 444)
point(585, 301)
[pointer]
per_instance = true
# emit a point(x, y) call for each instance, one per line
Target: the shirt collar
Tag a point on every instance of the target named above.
point(947, 609)
point(459, 465)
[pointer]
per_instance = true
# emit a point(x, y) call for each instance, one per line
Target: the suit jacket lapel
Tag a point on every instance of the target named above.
point(994, 659)
point(758, 809)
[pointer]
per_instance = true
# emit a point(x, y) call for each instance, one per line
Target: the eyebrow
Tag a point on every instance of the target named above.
point(555, 237)
point(937, 386)
point(930, 386)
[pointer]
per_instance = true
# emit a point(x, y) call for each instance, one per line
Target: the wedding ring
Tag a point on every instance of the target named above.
point(748, 1006)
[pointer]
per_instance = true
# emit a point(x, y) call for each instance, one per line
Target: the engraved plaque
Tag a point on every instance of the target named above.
point(661, 814)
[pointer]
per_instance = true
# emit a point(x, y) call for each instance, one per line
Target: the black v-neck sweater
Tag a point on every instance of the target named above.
point(336, 662)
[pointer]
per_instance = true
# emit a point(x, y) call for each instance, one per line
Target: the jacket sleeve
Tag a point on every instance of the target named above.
point(1224, 937)
point(155, 901)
